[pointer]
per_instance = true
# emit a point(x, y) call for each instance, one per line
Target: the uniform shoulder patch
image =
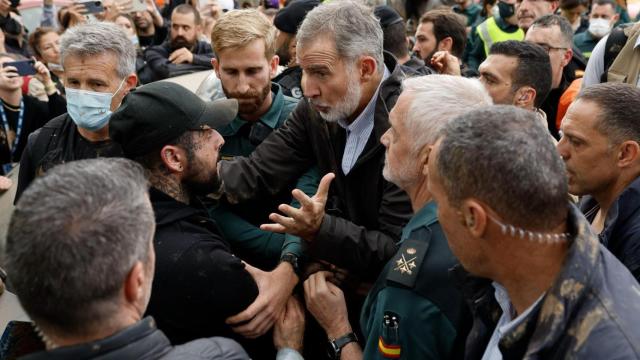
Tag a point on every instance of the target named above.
point(406, 263)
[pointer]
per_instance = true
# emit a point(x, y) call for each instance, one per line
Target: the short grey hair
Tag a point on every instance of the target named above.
point(351, 25)
point(75, 234)
point(504, 157)
point(97, 38)
point(619, 104)
point(551, 20)
point(437, 99)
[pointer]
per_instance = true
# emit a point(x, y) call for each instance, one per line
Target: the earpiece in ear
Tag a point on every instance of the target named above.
point(471, 222)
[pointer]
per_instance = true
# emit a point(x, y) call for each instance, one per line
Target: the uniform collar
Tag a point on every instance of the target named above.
point(426, 216)
point(270, 118)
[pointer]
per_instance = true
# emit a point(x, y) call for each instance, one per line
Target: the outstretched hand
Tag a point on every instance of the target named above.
point(304, 222)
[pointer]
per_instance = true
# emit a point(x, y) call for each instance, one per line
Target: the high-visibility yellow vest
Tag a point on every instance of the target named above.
point(490, 33)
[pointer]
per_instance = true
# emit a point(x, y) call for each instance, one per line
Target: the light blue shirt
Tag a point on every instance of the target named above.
point(506, 322)
point(595, 66)
point(288, 354)
point(359, 130)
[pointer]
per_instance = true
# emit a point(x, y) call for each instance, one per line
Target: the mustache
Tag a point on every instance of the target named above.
point(247, 95)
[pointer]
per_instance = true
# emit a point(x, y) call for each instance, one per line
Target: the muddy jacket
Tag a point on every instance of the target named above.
point(364, 213)
point(591, 311)
point(621, 233)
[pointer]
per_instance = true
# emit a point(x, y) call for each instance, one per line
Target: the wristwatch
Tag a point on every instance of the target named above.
point(293, 260)
point(335, 345)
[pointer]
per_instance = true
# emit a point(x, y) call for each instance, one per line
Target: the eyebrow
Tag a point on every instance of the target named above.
point(488, 74)
point(316, 68)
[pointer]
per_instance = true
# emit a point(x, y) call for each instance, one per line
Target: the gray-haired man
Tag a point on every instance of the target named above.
point(99, 63)
point(350, 87)
point(82, 266)
point(550, 290)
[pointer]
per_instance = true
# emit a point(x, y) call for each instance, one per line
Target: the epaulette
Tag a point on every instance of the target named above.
point(406, 263)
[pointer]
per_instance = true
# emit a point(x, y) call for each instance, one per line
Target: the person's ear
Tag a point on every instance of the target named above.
point(615, 18)
point(173, 158)
point(554, 6)
point(568, 55)
point(423, 159)
point(628, 153)
point(445, 44)
point(474, 217)
point(216, 66)
point(134, 283)
point(368, 68)
point(273, 66)
point(131, 82)
point(525, 97)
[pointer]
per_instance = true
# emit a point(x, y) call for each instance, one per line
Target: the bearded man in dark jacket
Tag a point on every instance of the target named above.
point(356, 222)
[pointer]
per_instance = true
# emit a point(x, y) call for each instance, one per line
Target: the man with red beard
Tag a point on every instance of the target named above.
point(182, 53)
point(244, 43)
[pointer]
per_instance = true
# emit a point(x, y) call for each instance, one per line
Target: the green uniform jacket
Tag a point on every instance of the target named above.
point(471, 13)
point(585, 42)
point(240, 223)
point(413, 310)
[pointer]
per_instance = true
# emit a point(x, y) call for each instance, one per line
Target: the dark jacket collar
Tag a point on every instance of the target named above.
point(141, 340)
point(389, 91)
point(622, 209)
point(547, 323)
point(168, 209)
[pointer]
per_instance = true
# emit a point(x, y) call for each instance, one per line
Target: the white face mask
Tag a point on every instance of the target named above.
point(599, 27)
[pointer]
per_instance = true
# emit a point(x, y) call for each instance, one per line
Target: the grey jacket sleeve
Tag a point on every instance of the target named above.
point(217, 348)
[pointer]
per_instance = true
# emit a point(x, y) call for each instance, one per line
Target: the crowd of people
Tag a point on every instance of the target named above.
point(346, 182)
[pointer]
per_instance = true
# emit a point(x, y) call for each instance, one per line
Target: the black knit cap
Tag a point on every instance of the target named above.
point(387, 15)
point(157, 113)
point(289, 18)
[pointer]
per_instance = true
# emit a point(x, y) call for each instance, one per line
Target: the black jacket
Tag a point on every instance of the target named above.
point(58, 142)
point(144, 341)
point(198, 282)
point(364, 213)
point(157, 58)
point(621, 233)
point(591, 311)
point(289, 80)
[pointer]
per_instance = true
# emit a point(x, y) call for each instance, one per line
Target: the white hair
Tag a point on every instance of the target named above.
point(436, 100)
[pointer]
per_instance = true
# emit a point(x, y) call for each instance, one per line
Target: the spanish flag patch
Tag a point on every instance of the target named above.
point(388, 351)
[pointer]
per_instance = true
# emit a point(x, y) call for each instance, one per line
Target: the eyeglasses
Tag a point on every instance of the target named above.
point(548, 47)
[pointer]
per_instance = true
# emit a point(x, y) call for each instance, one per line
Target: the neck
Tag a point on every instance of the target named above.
point(367, 94)
point(11, 97)
point(170, 185)
point(528, 269)
point(53, 340)
point(95, 136)
point(607, 196)
point(264, 108)
point(404, 59)
point(419, 194)
point(151, 30)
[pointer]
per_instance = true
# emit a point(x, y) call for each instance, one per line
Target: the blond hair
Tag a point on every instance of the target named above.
point(237, 28)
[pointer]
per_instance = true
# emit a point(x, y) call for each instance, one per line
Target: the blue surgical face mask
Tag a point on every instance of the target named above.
point(89, 109)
